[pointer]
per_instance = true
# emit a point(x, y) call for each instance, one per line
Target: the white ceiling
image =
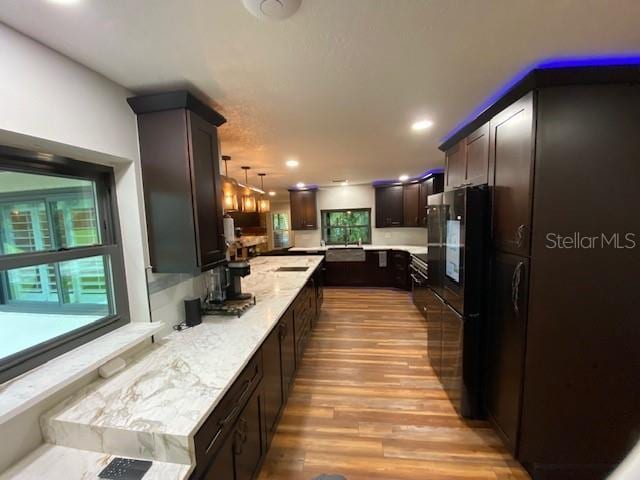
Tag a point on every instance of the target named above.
point(338, 84)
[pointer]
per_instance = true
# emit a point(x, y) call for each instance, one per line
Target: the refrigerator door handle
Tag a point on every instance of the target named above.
point(515, 287)
point(520, 235)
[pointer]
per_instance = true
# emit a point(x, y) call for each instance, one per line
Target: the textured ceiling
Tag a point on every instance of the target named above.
point(338, 84)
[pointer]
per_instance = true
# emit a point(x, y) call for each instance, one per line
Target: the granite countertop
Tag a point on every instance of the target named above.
point(412, 249)
point(153, 408)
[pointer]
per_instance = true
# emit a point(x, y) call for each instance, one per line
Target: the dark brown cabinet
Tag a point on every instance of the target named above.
point(304, 215)
point(287, 352)
point(389, 206)
point(222, 466)
point(467, 162)
point(272, 380)
point(478, 156)
point(248, 440)
point(512, 179)
point(562, 340)
point(411, 205)
point(375, 271)
point(405, 205)
point(400, 269)
point(180, 174)
point(507, 323)
point(456, 165)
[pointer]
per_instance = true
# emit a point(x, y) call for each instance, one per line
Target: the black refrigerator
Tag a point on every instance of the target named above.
point(457, 226)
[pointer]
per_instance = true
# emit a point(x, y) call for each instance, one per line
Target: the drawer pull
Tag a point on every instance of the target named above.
point(223, 423)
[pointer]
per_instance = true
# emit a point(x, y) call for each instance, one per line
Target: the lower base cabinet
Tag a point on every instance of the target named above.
point(272, 381)
point(375, 271)
point(240, 456)
point(232, 442)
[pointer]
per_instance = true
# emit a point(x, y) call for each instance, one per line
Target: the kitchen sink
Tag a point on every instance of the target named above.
point(345, 254)
point(292, 269)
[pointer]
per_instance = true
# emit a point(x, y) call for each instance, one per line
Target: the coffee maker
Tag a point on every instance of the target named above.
point(237, 270)
point(224, 291)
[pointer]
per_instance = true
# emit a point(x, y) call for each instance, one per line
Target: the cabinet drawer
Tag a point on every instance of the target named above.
point(213, 432)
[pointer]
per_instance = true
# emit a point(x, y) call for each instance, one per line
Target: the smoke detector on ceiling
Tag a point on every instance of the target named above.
point(272, 9)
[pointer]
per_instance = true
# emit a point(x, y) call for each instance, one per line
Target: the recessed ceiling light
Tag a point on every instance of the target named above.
point(300, 185)
point(272, 194)
point(64, 2)
point(403, 178)
point(421, 125)
point(292, 163)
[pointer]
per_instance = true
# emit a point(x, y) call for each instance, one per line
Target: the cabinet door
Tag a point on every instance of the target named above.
point(287, 351)
point(506, 330)
point(205, 184)
point(478, 156)
point(272, 381)
point(389, 206)
point(512, 165)
point(400, 263)
point(456, 166)
point(310, 216)
point(248, 445)
point(222, 466)
point(411, 205)
point(297, 211)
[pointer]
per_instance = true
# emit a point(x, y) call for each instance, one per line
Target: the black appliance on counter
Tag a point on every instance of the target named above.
point(449, 290)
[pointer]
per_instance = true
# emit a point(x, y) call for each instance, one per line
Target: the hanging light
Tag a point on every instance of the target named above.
point(230, 199)
point(248, 200)
point(264, 205)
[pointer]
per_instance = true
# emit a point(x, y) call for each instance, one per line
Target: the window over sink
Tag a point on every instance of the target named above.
point(61, 267)
point(346, 226)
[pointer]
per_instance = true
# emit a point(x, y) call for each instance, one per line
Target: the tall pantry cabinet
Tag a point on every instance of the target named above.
point(562, 333)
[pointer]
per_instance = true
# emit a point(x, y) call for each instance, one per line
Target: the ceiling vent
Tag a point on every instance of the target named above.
point(272, 9)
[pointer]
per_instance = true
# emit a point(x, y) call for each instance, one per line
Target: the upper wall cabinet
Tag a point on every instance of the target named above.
point(405, 205)
point(467, 162)
point(389, 206)
point(304, 214)
point(179, 153)
point(411, 205)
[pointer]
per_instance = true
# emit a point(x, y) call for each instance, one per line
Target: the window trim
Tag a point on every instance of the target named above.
point(23, 161)
point(325, 226)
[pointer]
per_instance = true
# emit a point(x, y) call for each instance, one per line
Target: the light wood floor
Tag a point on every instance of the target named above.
point(367, 405)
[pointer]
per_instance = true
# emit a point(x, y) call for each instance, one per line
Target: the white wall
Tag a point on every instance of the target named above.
point(358, 196)
point(54, 105)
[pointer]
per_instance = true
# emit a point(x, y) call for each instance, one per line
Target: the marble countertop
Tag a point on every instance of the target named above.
point(412, 249)
point(153, 408)
point(53, 462)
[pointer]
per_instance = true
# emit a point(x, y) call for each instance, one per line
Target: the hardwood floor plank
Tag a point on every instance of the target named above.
point(366, 403)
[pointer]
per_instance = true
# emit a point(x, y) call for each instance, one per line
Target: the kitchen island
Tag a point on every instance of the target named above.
point(155, 407)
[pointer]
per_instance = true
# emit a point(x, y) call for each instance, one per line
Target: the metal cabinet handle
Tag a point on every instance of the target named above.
point(515, 287)
point(520, 235)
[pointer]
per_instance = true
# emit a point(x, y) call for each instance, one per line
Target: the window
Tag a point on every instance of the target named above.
point(61, 268)
point(346, 226)
point(280, 230)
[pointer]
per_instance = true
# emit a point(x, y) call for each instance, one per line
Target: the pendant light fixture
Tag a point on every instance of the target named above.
point(248, 200)
point(264, 205)
point(230, 198)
